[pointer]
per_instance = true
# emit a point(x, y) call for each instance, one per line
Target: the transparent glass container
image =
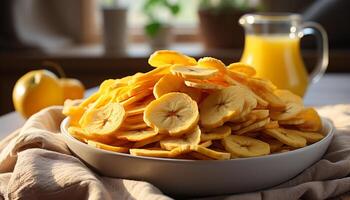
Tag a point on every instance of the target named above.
point(272, 47)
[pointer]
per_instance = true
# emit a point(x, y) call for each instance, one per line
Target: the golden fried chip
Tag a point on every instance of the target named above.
point(206, 144)
point(253, 127)
point(137, 135)
point(192, 138)
point(107, 147)
point(286, 137)
point(148, 141)
point(243, 68)
point(161, 153)
point(210, 153)
point(312, 122)
point(164, 58)
point(216, 133)
point(242, 146)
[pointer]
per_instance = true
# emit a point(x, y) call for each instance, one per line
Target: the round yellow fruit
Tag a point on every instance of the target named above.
point(36, 90)
point(72, 88)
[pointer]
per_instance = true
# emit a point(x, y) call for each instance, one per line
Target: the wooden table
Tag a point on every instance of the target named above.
point(331, 89)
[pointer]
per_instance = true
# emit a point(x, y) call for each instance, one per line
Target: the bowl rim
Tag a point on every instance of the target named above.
point(325, 122)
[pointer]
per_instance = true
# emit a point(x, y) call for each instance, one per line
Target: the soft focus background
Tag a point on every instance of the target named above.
point(98, 39)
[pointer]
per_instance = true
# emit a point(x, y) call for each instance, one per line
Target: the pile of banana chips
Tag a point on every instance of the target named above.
point(189, 109)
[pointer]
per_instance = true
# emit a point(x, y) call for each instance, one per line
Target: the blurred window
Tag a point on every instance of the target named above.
point(184, 24)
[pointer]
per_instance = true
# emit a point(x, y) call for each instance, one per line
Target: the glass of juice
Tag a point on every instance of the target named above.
point(272, 47)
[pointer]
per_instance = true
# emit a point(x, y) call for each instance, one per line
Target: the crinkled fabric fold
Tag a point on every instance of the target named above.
point(35, 163)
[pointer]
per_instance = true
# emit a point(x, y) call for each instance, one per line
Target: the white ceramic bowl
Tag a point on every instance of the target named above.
point(202, 178)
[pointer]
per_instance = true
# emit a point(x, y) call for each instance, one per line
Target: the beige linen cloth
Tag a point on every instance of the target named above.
point(35, 163)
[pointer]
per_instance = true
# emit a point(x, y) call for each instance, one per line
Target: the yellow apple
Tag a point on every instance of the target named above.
point(72, 88)
point(37, 90)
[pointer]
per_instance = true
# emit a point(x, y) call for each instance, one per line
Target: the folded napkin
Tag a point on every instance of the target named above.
point(35, 163)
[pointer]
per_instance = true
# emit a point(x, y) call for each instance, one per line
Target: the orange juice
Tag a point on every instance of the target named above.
point(277, 58)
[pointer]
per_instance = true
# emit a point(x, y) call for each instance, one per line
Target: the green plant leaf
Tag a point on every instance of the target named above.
point(175, 9)
point(152, 28)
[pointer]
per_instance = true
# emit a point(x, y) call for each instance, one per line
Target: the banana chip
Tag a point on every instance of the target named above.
point(169, 83)
point(242, 68)
point(105, 120)
point(190, 139)
point(216, 133)
point(221, 106)
point(184, 109)
point(136, 136)
point(286, 137)
point(242, 146)
point(174, 113)
point(311, 137)
point(291, 122)
point(193, 72)
point(253, 127)
point(203, 85)
point(107, 147)
point(210, 153)
point(148, 141)
point(209, 62)
point(312, 120)
point(161, 153)
point(165, 58)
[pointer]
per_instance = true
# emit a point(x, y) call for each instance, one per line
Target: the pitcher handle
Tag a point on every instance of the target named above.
point(312, 28)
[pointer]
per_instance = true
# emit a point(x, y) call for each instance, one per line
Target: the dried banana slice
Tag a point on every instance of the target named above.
point(141, 87)
point(211, 153)
point(137, 135)
point(275, 145)
point(165, 58)
point(288, 138)
point(206, 144)
point(169, 83)
point(161, 153)
point(138, 107)
point(148, 141)
point(192, 138)
point(221, 106)
point(206, 85)
point(209, 62)
point(135, 119)
point(132, 127)
point(198, 156)
point(311, 137)
point(174, 113)
point(105, 120)
point(244, 115)
point(294, 105)
point(216, 133)
point(292, 110)
point(253, 127)
point(150, 75)
point(242, 146)
point(260, 114)
point(230, 80)
point(75, 112)
point(288, 96)
point(193, 72)
point(251, 120)
point(242, 68)
point(107, 147)
point(194, 93)
point(291, 122)
point(136, 98)
point(312, 120)
point(272, 124)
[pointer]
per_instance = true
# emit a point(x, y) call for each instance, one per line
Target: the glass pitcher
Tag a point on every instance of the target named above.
point(272, 47)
